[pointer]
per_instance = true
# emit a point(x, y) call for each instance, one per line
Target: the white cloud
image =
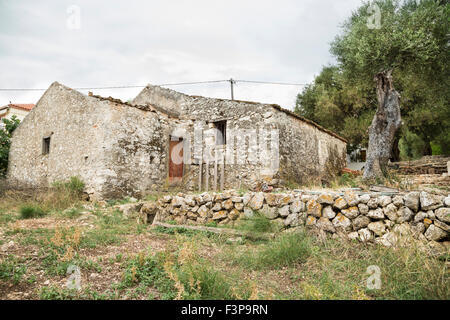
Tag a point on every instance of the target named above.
point(137, 42)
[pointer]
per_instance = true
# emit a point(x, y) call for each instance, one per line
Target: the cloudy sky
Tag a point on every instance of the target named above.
point(114, 43)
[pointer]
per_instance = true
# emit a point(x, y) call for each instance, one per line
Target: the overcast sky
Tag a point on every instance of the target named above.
point(140, 42)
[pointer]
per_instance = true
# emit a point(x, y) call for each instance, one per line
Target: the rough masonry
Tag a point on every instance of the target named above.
point(119, 148)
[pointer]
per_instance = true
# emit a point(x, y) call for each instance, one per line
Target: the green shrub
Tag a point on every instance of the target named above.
point(11, 269)
point(284, 251)
point(31, 211)
point(74, 186)
point(257, 223)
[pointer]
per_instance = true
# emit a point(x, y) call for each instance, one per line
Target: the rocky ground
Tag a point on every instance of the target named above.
point(116, 257)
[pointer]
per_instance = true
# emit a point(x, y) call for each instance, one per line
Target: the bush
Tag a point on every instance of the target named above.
point(27, 212)
point(74, 186)
point(257, 223)
point(284, 251)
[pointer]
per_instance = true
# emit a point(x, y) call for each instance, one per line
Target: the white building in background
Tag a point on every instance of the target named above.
point(14, 109)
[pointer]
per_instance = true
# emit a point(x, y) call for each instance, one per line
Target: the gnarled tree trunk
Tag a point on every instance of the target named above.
point(385, 124)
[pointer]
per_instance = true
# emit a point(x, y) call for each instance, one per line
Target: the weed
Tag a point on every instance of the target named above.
point(31, 211)
point(286, 250)
point(12, 269)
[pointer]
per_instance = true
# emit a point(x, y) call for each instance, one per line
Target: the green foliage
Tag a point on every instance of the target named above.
point(12, 269)
point(257, 223)
point(31, 211)
point(333, 102)
point(413, 41)
point(286, 250)
point(74, 186)
point(147, 271)
point(411, 146)
point(5, 141)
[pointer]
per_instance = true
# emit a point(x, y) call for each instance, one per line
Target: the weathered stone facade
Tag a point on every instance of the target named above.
point(120, 148)
point(305, 152)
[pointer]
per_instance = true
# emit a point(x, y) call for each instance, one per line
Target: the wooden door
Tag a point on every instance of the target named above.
point(175, 159)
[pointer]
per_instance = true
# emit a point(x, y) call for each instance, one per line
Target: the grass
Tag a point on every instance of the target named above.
point(190, 264)
point(31, 211)
point(286, 250)
point(12, 269)
point(258, 223)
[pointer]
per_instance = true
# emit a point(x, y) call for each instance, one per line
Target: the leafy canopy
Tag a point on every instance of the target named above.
point(8, 126)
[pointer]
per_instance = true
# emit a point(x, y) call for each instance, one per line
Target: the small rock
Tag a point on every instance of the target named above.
point(272, 199)
point(325, 224)
point(420, 216)
point(340, 203)
point(398, 201)
point(325, 199)
point(314, 208)
point(435, 233)
point(447, 201)
point(297, 206)
point(257, 201)
point(228, 204)
point(248, 213)
point(391, 211)
point(234, 214)
point(412, 201)
point(372, 203)
point(341, 221)
point(365, 235)
point(353, 235)
point(284, 211)
point(376, 214)
point(442, 225)
point(364, 198)
point(328, 212)
point(310, 221)
point(286, 199)
point(269, 212)
point(384, 200)
point(378, 227)
point(429, 201)
point(219, 215)
point(351, 212)
point(363, 208)
point(351, 198)
point(443, 214)
point(291, 220)
point(360, 222)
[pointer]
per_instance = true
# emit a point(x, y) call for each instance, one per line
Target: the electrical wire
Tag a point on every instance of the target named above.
point(163, 84)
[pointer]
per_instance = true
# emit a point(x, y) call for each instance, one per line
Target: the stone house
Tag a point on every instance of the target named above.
point(20, 110)
point(164, 138)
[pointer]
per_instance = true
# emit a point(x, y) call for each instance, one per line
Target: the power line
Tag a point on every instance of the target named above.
point(163, 84)
point(276, 83)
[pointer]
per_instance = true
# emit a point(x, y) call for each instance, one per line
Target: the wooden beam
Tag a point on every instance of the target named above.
point(215, 168)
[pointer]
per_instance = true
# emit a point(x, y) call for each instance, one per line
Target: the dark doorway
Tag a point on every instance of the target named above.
point(175, 159)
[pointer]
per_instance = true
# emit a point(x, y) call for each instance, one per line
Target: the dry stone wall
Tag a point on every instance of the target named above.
point(366, 217)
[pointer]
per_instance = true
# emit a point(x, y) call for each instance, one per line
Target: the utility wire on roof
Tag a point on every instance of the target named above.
point(163, 84)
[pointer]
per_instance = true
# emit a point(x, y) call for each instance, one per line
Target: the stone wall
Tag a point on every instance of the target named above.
point(306, 151)
point(364, 216)
point(115, 148)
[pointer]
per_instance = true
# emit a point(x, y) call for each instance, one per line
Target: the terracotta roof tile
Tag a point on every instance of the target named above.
point(23, 106)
